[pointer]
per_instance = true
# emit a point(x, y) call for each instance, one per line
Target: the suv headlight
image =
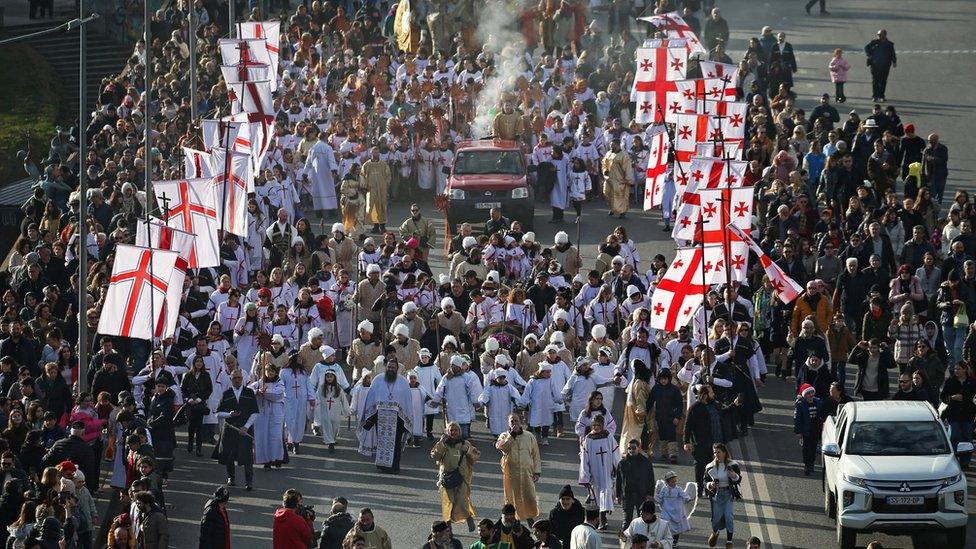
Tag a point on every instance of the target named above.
point(457, 194)
point(949, 481)
point(521, 192)
point(856, 481)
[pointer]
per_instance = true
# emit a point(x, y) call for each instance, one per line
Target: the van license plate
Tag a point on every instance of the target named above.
point(905, 500)
point(487, 205)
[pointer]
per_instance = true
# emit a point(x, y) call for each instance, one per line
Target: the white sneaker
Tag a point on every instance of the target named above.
point(545, 441)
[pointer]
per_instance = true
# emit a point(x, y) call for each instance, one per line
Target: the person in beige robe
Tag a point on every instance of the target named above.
point(618, 178)
point(343, 248)
point(367, 292)
point(363, 350)
point(507, 123)
point(351, 200)
point(521, 468)
point(308, 353)
point(376, 179)
point(636, 416)
point(406, 348)
point(451, 453)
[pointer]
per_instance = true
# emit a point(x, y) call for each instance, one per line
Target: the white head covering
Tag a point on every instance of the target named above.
point(365, 326)
point(314, 333)
point(502, 360)
point(557, 337)
point(545, 367)
point(373, 268)
point(598, 331)
point(499, 372)
point(378, 362)
point(552, 349)
point(617, 259)
point(326, 351)
point(492, 276)
point(531, 336)
point(562, 238)
point(528, 237)
point(491, 344)
point(409, 307)
point(278, 339)
point(443, 279)
point(560, 315)
point(579, 278)
point(449, 339)
point(447, 302)
point(424, 351)
point(469, 242)
point(631, 290)
point(401, 330)
point(338, 227)
point(457, 360)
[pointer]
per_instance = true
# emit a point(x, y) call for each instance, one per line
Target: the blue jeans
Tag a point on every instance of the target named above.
point(961, 431)
point(954, 338)
point(465, 431)
point(839, 371)
point(722, 511)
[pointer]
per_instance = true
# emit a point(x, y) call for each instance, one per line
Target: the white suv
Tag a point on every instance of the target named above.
point(889, 467)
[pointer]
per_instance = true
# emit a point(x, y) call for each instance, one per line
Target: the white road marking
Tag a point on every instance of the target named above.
point(775, 538)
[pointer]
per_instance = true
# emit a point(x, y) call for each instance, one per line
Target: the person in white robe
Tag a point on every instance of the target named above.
point(604, 367)
point(457, 396)
point(331, 407)
point(357, 403)
point(320, 169)
point(269, 428)
point(499, 397)
point(246, 331)
point(599, 457)
point(299, 394)
point(429, 376)
point(426, 160)
point(317, 380)
point(419, 395)
point(650, 525)
point(341, 293)
point(504, 363)
point(673, 500)
point(541, 396)
point(388, 412)
point(559, 195)
point(595, 406)
point(581, 385)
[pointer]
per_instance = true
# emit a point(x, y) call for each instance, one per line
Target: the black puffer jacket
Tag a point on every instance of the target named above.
point(335, 528)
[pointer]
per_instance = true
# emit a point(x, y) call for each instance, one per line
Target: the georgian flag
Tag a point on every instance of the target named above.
point(659, 143)
point(253, 98)
point(168, 238)
point(682, 288)
point(135, 304)
point(730, 117)
point(244, 51)
point(246, 73)
point(691, 129)
point(786, 288)
point(730, 149)
point(675, 26)
point(705, 173)
point(720, 208)
point(714, 69)
point(655, 68)
point(270, 32)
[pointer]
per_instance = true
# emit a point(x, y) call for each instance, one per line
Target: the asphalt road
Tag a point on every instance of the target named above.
point(931, 87)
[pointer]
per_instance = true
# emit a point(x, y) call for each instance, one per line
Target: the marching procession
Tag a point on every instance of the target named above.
point(249, 280)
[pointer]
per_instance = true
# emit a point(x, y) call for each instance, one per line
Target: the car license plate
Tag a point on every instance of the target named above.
point(487, 205)
point(905, 500)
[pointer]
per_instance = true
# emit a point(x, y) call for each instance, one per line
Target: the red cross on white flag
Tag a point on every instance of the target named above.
point(714, 69)
point(731, 118)
point(727, 149)
point(136, 297)
point(253, 98)
point(270, 32)
point(657, 166)
point(244, 51)
point(689, 130)
point(786, 288)
point(676, 27)
point(679, 293)
point(656, 71)
point(192, 209)
point(704, 173)
point(231, 199)
point(251, 72)
point(237, 134)
point(196, 164)
point(721, 207)
point(168, 238)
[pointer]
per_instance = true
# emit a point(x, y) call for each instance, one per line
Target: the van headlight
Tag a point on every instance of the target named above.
point(457, 194)
point(949, 481)
point(856, 481)
point(521, 192)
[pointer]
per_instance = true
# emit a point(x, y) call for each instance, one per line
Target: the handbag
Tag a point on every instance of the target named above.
point(453, 478)
point(961, 319)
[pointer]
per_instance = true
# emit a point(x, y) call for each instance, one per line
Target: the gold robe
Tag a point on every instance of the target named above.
point(635, 412)
point(520, 460)
point(376, 179)
point(507, 126)
point(456, 503)
point(618, 178)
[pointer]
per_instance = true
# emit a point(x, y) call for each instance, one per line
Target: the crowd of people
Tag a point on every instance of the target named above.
point(306, 324)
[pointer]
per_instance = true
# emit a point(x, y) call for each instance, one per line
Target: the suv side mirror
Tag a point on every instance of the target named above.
point(831, 449)
point(964, 448)
point(446, 170)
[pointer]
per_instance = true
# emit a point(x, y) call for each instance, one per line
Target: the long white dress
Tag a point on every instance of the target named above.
point(559, 196)
point(298, 392)
point(319, 166)
point(598, 467)
point(269, 429)
point(246, 341)
point(425, 169)
point(330, 411)
point(672, 504)
point(367, 438)
point(499, 399)
point(344, 318)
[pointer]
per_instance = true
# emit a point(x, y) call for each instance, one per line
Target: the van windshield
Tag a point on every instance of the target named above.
point(489, 162)
point(897, 438)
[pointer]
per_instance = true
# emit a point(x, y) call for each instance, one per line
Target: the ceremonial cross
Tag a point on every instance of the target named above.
point(601, 453)
point(330, 401)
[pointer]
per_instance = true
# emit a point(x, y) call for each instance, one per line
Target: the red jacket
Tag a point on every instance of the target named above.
point(290, 531)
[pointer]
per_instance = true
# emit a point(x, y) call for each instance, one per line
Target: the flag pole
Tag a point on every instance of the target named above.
point(147, 30)
point(225, 127)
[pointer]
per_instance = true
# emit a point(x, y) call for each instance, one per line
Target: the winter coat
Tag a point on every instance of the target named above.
point(290, 530)
point(803, 423)
point(214, 528)
point(838, 68)
point(336, 528)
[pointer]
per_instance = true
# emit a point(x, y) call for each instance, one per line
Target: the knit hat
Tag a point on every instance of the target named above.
point(67, 466)
point(566, 492)
point(438, 526)
point(909, 128)
point(806, 387)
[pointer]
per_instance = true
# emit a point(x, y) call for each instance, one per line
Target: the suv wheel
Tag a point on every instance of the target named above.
point(956, 537)
point(830, 504)
point(846, 537)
